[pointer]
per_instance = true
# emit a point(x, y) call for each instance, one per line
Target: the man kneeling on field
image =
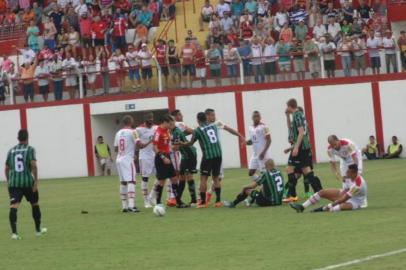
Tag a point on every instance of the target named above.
point(271, 191)
point(350, 197)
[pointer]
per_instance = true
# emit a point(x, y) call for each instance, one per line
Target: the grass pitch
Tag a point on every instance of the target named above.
point(242, 238)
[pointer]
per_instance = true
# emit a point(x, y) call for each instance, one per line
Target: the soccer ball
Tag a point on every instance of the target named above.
point(159, 210)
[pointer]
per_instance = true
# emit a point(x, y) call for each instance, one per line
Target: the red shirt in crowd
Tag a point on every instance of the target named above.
point(246, 30)
point(162, 140)
point(98, 29)
point(161, 55)
point(200, 59)
point(86, 27)
point(119, 27)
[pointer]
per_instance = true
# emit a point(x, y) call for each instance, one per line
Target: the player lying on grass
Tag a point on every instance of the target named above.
point(270, 192)
point(351, 197)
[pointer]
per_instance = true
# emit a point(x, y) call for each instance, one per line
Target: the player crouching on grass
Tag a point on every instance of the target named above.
point(351, 197)
point(270, 193)
point(22, 179)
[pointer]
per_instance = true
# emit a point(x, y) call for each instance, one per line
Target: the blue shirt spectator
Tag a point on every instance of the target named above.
point(145, 16)
point(237, 8)
point(251, 6)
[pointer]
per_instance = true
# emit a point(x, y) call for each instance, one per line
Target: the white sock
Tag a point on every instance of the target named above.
point(144, 188)
point(123, 195)
point(169, 190)
point(152, 194)
point(336, 208)
point(312, 200)
point(131, 195)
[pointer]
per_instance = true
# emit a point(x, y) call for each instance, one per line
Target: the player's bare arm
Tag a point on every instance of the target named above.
point(298, 142)
point(141, 145)
point(34, 170)
point(266, 147)
point(234, 132)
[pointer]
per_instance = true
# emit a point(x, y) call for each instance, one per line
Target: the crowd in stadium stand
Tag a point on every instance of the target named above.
point(274, 40)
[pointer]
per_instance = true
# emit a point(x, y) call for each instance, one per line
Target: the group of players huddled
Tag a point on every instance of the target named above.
point(165, 152)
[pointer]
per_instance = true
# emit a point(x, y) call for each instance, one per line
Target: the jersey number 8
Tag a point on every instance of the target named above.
point(212, 135)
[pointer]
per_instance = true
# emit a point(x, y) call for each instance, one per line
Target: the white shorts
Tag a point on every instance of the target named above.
point(71, 81)
point(257, 164)
point(126, 170)
point(356, 202)
point(344, 165)
point(147, 167)
point(200, 73)
point(176, 158)
point(105, 161)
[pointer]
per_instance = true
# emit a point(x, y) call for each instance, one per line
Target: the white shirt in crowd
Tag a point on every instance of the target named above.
point(132, 59)
point(281, 18)
point(334, 29)
point(41, 72)
point(373, 44)
point(389, 45)
point(230, 56)
point(256, 51)
point(319, 31)
point(270, 53)
point(221, 8)
point(146, 58)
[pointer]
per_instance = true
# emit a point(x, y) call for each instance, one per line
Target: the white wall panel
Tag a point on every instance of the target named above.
point(57, 133)
point(272, 106)
point(393, 99)
point(344, 110)
point(224, 104)
point(10, 124)
point(132, 105)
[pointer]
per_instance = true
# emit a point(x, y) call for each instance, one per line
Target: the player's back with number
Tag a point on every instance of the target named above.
point(125, 142)
point(19, 160)
point(272, 186)
point(207, 135)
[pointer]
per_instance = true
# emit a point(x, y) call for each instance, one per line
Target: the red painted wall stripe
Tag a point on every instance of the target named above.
point(23, 118)
point(171, 103)
point(239, 108)
point(307, 97)
point(88, 139)
point(376, 99)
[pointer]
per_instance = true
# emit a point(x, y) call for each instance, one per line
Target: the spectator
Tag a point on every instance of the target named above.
point(200, 61)
point(118, 59)
point(7, 64)
point(28, 16)
point(73, 42)
point(168, 5)
point(146, 66)
point(222, 7)
point(3, 82)
point(347, 11)
point(214, 59)
point(286, 33)
point(296, 50)
point(245, 53)
point(319, 30)
point(145, 16)
point(262, 8)
point(257, 60)
point(394, 149)
point(103, 155)
point(270, 59)
point(346, 29)
point(122, 5)
point(389, 45)
point(71, 19)
point(314, 15)
point(359, 49)
point(237, 8)
point(345, 49)
point(27, 71)
point(297, 14)
point(85, 24)
point(62, 40)
point(99, 28)
point(328, 48)
point(371, 151)
point(281, 18)
point(37, 12)
point(402, 48)
point(120, 25)
point(334, 29)
point(81, 9)
point(133, 67)
point(188, 68)
point(373, 44)
point(246, 28)
point(90, 68)
point(230, 54)
point(42, 73)
point(70, 65)
point(161, 51)
point(32, 34)
point(283, 50)
point(226, 23)
point(56, 73)
point(102, 57)
point(364, 10)
point(205, 14)
point(311, 50)
point(215, 23)
point(141, 33)
point(49, 34)
point(174, 63)
point(330, 12)
point(260, 31)
point(56, 14)
point(301, 31)
point(379, 8)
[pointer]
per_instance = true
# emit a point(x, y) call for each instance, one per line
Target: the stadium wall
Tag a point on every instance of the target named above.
point(64, 132)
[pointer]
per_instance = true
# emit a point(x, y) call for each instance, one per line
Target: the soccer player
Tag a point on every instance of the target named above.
point(348, 153)
point(207, 135)
point(350, 197)
point(103, 155)
point(163, 163)
point(188, 155)
point(146, 133)
point(260, 139)
point(22, 179)
point(271, 191)
point(125, 142)
point(300, 157)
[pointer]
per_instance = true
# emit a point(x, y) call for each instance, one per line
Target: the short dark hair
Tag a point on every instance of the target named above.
point(175, 112)
point(394, 137)
point(353, 167)
point(22, 135)
point(209, 110)
point(292, 103)
point(372, 137)
point(201, 117)
point(166, 118)
point(147, 115)
point(100, 137)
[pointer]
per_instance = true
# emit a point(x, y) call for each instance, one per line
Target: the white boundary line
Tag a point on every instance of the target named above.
point(357, 261)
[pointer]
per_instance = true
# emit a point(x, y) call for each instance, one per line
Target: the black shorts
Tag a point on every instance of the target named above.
point(87, 42)
point(211, 166)
point(146, 73)
point(261, 200)
point(188, 166)
point(165, 70)
point(2, 93)
point(44, 89)
point(329, 65)
point(99, 42)
point(188, 69)
point(375, 62)
point(17, 194)
point(270, 68)
point(163, 171)
point(302, 160)
point(299, 170)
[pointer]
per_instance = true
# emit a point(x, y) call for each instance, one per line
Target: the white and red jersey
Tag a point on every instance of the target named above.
point(125, 141)
point(161, 55)
point(356, 189)
point(119, 27)
point(257, 135)
point(348, 150)
point(146, 134)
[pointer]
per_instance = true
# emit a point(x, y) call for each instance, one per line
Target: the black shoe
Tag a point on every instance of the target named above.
point(298, 207)
point(124, 210)
point(134, 210)
point(320, 209)
point(182, 205)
